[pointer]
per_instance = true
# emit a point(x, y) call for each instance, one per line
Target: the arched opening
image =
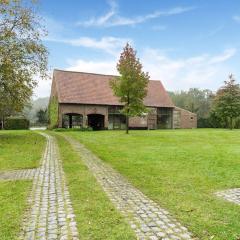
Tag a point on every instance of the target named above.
point(96, 121)
point(72, 120)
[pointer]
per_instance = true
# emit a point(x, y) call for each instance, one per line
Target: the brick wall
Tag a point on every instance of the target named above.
point(184, 119)
point(83, 110)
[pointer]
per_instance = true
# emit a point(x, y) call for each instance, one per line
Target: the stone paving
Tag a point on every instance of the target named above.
point(146, 218)
point(231, 195)
point(18, 174)
point(50, 215)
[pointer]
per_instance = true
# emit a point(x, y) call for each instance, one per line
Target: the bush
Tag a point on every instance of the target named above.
point(16, 123)
point(53, 113)
point(204, 123)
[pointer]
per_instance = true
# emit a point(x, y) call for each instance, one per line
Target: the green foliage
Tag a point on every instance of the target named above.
point(22, 54)
point(16, 123)
point(42, 116)
point(131, 86)
point(194, 100)
point(227, 102)
point(53, 113)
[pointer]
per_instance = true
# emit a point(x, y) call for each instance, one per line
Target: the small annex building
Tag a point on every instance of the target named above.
point(86, 99)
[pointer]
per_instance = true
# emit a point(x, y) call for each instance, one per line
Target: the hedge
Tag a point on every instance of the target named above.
point(14, 123)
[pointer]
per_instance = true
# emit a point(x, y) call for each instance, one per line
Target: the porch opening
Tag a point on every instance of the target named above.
point(72, 120)
point(164, 118)
point(96, 121)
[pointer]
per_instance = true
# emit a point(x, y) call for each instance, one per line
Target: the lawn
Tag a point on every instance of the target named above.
point(95, 215)
point(18, 150)
point(179, 169)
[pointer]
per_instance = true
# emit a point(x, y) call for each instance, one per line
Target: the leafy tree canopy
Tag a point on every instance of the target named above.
point(194, 100)
point(22, 54)
point(131, 86)
point(227, 102)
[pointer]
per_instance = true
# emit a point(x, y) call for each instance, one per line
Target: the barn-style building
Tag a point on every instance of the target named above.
point(86, 99)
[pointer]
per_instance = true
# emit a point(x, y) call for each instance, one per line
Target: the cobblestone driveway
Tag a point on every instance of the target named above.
point(147, 219)
point(51, 214)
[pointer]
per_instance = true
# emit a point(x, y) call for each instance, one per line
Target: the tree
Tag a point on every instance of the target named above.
point(227, 102)
point(195, 100)
point(131, 86)
point(42, 116)
point(22, 54)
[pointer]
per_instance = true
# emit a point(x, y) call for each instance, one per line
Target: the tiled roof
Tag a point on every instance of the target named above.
point(90, 88)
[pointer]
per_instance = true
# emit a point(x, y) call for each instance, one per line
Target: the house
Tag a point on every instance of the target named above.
point(86, 99)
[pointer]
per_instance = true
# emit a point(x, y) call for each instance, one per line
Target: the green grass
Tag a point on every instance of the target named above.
point(95, 215)
point(20, 149)
point(12, 206)
point(179, 169)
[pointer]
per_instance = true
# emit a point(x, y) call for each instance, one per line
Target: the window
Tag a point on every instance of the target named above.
point(116, 120)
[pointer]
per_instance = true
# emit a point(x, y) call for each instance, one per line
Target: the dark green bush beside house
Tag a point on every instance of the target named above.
point(16, 123)
point(53, 113)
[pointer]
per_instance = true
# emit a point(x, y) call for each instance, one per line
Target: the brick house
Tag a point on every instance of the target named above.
point(86, 99)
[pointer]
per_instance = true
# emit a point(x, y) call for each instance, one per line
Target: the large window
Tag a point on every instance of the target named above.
point(116, 120)
point(72, 120)
point(164, 117)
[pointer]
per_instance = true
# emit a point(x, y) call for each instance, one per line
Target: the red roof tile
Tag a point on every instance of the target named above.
point(90, 88)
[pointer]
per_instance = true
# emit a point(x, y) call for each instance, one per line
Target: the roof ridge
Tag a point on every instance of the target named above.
point(70, 71)
point(99, 74)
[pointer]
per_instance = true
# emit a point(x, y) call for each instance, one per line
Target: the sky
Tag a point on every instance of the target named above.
point(183, 43)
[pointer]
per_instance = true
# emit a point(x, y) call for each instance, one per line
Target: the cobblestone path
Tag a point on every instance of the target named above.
point(146, 218)
point(231, 195)
point(18, 174)
point(50, 215)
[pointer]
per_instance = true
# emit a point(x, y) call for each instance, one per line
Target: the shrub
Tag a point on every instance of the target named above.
point(16, 123)
point(53, 113)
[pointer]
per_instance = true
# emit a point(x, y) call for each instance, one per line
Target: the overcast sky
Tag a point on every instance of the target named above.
point(184, 43)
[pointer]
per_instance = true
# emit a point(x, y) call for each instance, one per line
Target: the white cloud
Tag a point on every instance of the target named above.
point(204, 71)
point(228, 53)
point(112, 18)
point(108, 44)
point(102, 67)
point(43, 88)
point(236, 18)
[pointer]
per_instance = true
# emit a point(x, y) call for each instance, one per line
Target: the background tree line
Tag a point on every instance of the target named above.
point(220, 109)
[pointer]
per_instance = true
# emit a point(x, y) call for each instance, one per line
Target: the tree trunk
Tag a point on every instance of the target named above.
point(127, 124)
point(127, 116)
point(231, 123)
point(2, 123)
